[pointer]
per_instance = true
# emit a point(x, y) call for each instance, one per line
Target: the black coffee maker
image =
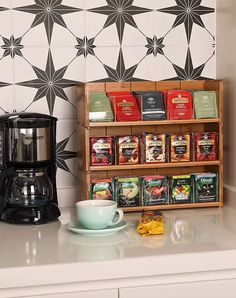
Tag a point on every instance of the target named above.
point(28, 168)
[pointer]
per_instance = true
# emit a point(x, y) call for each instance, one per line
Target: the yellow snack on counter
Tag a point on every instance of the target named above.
point(151, 223)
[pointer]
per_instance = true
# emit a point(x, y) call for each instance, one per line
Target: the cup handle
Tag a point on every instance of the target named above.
point(120, 217)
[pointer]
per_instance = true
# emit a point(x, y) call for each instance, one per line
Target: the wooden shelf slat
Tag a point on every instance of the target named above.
point(171, 206)
point(146, 123)
point(155, 166)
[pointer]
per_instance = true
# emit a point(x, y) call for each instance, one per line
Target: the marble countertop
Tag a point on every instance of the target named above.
point(195, 241)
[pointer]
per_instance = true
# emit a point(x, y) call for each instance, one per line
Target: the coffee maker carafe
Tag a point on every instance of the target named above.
point(28, 168)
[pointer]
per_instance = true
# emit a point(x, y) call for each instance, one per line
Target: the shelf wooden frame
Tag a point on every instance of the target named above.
point(148, 123)
point(155, 166)
point(87, 129)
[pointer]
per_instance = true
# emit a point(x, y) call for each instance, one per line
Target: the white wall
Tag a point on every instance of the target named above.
point(226, 70)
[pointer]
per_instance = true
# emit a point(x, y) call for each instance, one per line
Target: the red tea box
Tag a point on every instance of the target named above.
point(205, 146)
point(180, 147)
point(126, 108)
point(153, 148)
point(102, 151)
point(119, 93)
point(179, 105)
point(128, 150)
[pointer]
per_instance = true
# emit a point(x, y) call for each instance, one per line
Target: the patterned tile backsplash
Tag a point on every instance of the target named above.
point(48, 46)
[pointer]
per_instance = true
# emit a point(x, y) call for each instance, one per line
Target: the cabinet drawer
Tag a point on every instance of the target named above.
point(216, 289)
point(90, 294)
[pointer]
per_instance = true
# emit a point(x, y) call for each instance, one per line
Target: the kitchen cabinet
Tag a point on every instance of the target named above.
point(216, 289)
point(90, 294)
point(87, 129)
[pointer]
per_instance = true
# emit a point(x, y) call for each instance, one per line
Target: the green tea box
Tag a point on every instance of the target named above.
point(205, 104)
point(205, 187)
point(100, 108)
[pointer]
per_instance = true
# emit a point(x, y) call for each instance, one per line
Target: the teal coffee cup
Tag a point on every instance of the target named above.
point(98, 214)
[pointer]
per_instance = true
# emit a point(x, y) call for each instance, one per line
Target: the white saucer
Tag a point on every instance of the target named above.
point(76, 227)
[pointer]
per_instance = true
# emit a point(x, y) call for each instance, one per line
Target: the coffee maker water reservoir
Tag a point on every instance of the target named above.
point(28, 168)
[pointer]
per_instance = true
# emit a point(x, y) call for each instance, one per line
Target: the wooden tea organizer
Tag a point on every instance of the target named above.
point(88, 129)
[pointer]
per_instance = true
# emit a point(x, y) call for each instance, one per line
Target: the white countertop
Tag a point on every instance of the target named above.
point(195, 241)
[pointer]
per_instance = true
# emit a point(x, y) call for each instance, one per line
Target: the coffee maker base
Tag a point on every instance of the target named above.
point(30, 215)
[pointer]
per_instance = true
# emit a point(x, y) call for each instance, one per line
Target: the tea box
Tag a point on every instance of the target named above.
point(155, 190)
point(179, 104)
point(153, 148)
point(100, 108)
point(128, 150)
point(205, 146)
point(101, 189)
point(152, 105)
point(205, 187)
point(126, 108)
point(102, 151)
point(205, 104)
point(180, 147)
point(127, 191)
point(180, 189)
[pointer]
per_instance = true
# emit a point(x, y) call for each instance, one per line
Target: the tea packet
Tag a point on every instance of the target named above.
point(152, 105)
point(127, 191)
point(180, 147)
point(100, 108)
point(101, 189)
point(153, 148)
point(151, 223)
point(155, 190)
point(180, 189)
point(206, 187)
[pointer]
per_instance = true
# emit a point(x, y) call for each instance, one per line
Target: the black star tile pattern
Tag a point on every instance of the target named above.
point(12, 46)
point(120, 12)
point(3, 8)
point(188, 12)
point(50, 83)
point(62, 155)
point(3, 84)
point(120, 74)
point(48, 12)
point(189, 72)
point(155, 46)
point(85, 46)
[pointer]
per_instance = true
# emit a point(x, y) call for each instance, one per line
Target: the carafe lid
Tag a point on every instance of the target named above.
point(27, 120)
